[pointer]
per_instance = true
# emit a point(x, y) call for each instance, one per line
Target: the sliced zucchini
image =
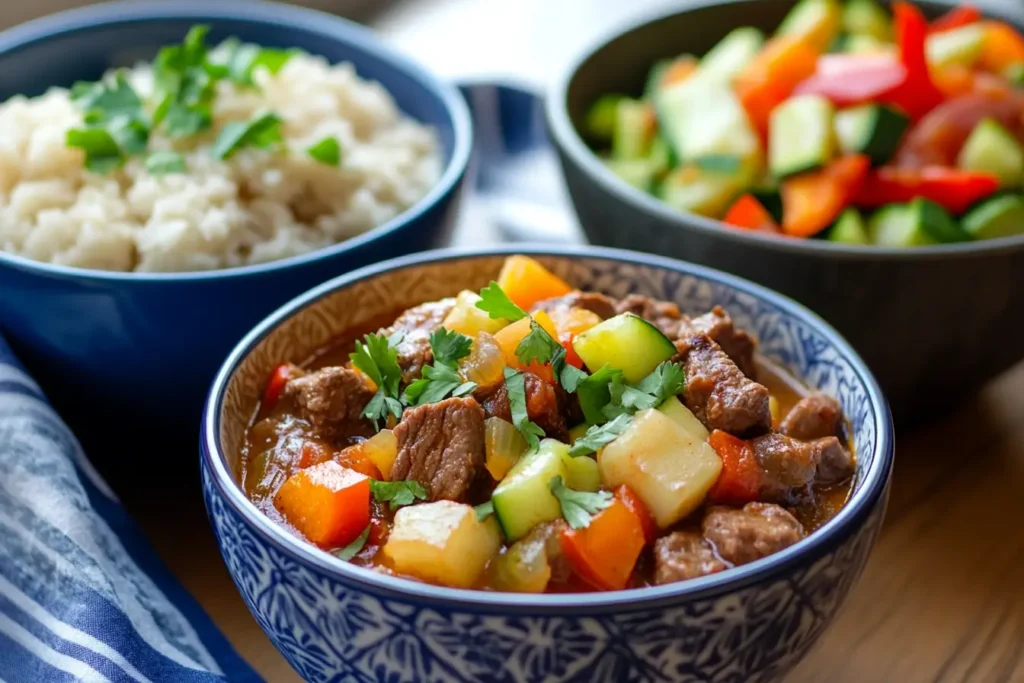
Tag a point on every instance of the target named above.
point(626, 342)
point(997, 217)
point(581, 473)
point(937, 222)
point(694, 190)
point(849, 229)
point(993, 149)
point(896, 225)
point(800, 135)
point(523, 499)
point(867, 18)
point(634, 129)
point(599, 123)
point(960, 46)
point(815, 20)
point(731, 54)
point(871, 129)
point(702, 117)
point(637, 172)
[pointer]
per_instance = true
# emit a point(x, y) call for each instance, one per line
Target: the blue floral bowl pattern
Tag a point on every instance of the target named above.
point(336, 622)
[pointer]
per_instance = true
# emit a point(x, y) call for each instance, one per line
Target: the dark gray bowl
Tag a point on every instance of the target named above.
point(932, 322)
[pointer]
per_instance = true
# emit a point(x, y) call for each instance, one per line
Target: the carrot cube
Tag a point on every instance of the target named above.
point(326, 503)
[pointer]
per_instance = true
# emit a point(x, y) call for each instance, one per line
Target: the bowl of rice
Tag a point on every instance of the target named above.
point(171, 171)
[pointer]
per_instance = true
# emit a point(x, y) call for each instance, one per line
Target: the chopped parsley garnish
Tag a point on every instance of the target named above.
point(237, 61)
point(666, 380)
point(515, 385)
point(495, 303)
point(263, 131)
point(599, 436)
point(484, 510)
point(102, 153)
point(537, 346)
point(398, 493)
point(579, 506)
point(107, 99)
point(162, 163)
point(115, 123)
point(441, 378)
point(185, 87)
point(327, 151)
point(353, 548)
point(378, 360)
point(569, 376)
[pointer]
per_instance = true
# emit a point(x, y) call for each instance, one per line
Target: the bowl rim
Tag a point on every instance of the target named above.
point(864, 501)
point(571, 144)
point(329, 26)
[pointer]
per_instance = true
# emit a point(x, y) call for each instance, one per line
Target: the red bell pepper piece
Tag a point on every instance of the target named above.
point(812, 201)
point(603, 554)
point(917, 95)
point(278, 378)
point(964, 15)
point(740, 480)
point(750, 214)
point(637, 506)
point(952, 188)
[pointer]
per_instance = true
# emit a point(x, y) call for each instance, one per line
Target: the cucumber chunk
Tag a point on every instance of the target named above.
point(698, 191)
point(815, 20)
point(634, 129)
point(960, 46)
point(702, 117)
point(732, 53)
point(849, 229)
point(637, 172)
point(993, 149)
point(937, 222)
point(998, 217)
point(896, 225)
point(523, 500)
point(599, 123)
point(867, 18)
point(626, 342)
point(871, 129)
point(800, 137)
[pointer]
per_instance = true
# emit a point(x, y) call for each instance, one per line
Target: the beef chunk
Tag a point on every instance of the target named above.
point(813, 417)
point(417, 324)
point(684, 555)
point(550, 534)
point(835, 463)
point(441, 445)
point(718, 392)
point(542, 405)
point(755, 531)
point(592, 301)
point(790, 464)
point(736, 343)
point(332, 401)
point(664, 314)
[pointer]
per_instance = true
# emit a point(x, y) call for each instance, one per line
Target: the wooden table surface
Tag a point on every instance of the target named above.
point(942, 598)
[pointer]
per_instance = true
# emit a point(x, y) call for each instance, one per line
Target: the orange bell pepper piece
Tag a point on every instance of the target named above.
point(326, 503)
point(750, 214)
point(604, 553)
point(1003, 46)
point(509, 337)
point(525, 281)
point(739, 482)
point(812, 201)
point(772, 75)
point(638, 508)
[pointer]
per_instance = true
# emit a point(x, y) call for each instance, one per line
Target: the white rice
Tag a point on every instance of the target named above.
point(256, 206)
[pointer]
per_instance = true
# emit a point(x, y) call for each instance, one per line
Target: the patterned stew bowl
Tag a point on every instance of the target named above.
point(334, 621)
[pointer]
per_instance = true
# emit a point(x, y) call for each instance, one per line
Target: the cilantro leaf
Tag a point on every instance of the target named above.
point(515, 385)
point(185, 86)
point(376, 358)
point(537, 346)
point(594, 393)
point(668, 379)
point(398, 493)
point(380, 406)
point(579, 506)
point(570, 377)
point(441, 378)
point(495, 303)
point(237, 61)
point(449, 347)
point(353, 548)
point(161, 163)
point(484, 510)
point(102, 153)
point(600, 435)
point(115, 123)
point(106, 99)
point(263, 130)
point(327, 151)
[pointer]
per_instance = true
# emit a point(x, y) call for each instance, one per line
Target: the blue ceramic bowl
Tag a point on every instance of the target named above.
point(335, 621)
point(144, 347)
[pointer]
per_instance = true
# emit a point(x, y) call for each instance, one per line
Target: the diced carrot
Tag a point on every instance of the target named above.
point(278, 378)
point(955, 18)
point(772, 75)
point(356, 458)
point(637, 506)
point(678, 71)
point(525, 281)
point(326, 503)
point(313, 453)
point(750, 214)
point(509, 337)
point(1003, 46)
point(812, 201)
point(740, 480)
point(604, 553)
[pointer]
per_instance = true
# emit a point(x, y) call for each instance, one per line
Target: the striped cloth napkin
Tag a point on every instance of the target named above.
point(83, 597)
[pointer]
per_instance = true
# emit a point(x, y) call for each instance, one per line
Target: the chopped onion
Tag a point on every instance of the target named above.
point(504, 446)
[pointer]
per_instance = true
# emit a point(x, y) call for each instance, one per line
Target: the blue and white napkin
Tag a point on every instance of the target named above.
point(83, 596)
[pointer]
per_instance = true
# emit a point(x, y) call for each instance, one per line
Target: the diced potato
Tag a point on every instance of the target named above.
point(442, 542)
point(682, 416)
point(327, 503)
point(469, 320)
point(381, 449)
point(670, 469)
point(581, 473)
point(503, 445)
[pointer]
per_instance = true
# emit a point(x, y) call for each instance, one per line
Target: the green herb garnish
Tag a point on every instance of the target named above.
point(515, 386)
point(495, 303)
point(398, 493)
point(263, 130)
point(115, 123)
point(185, 87)
point(237, 61)
point(353, 548)
point(600, 435)
point(484, 510)
point(378, 360)
point(665, 381)
point(327, 151)
point(102, 153)
point(162, 163)
point(442, 378)
point(537, 346)
point(579, 506)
